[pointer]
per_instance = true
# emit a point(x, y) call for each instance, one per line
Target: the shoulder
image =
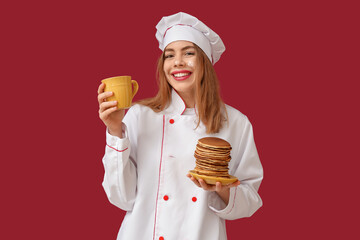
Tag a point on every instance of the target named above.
point(136, 113)
point(237, 119)
point(234, 114)
point(139, 111)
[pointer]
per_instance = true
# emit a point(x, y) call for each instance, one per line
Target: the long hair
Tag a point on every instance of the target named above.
point(209, 105)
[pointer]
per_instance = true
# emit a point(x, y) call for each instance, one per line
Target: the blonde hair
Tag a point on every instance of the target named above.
point(209, 105)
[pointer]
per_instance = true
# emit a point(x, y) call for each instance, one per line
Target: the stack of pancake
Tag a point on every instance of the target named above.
point(212, 157)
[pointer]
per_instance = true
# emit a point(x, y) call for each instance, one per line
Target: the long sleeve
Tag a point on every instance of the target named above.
point(120, 170)
point(244, 200)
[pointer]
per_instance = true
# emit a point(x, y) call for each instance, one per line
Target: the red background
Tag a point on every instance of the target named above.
point(291, 66)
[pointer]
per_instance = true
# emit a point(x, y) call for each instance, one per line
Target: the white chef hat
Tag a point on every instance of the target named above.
point(182, 26)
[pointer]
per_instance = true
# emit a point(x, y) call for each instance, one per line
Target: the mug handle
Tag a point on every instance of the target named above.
point(135, 86)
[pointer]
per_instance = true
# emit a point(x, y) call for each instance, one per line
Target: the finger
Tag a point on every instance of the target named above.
point(103, 96)
point(105, 114)
point(205, 186)
point(190, 176)
point(218, 186)
point(106, 105)
point(235, 184)
point(101, 88)
point(194, 180)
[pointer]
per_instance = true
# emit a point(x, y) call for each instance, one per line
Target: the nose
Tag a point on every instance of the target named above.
point(179, 61)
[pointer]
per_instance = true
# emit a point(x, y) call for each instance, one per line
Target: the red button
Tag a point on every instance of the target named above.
point(194, 199)
point(161, 238)
point(171, 121)
point(166, 197)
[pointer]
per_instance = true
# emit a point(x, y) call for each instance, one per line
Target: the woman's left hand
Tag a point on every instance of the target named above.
point(222, 190)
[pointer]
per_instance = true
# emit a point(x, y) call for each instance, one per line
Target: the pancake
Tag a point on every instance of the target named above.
point(212, 163)
point(212, 157)
point(203, 148)
point(218, 155)
point(214, 142)
point(211, 173)
point(218, 168)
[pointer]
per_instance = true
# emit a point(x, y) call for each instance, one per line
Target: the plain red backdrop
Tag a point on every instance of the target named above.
point(290, 66)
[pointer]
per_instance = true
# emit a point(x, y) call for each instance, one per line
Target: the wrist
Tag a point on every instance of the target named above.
point(224, 194)
point(118, 132)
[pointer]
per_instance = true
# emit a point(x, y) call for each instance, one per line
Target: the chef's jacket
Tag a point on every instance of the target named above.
point(145, 174)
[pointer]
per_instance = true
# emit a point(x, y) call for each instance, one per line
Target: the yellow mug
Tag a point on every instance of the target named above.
point(123, 88)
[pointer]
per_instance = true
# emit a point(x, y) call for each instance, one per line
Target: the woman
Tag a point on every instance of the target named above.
point(150, 151)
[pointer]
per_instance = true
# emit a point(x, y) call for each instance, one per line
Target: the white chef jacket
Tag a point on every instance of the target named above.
point(145, 175)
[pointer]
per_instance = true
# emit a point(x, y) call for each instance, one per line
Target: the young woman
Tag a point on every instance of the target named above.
point(150, 151)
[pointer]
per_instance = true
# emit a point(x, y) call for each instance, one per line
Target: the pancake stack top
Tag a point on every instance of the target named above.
point(212, 157)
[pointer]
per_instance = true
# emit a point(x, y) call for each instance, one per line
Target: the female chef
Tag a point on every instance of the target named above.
point(150, 151)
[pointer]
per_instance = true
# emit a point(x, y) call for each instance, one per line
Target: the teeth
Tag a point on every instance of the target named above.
point(181, 74)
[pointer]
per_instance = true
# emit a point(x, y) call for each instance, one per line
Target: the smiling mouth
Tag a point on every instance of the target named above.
point(180, 76)
point(177, 75)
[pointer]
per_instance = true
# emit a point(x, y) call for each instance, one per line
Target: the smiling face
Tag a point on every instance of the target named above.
point(181, 67)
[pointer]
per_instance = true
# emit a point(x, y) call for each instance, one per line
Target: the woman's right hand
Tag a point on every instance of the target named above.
point(108, 112)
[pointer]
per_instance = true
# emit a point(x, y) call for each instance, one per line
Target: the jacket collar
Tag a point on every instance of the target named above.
point(177, 104)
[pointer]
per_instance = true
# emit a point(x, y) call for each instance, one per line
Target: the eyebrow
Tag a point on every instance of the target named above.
point(184, 48)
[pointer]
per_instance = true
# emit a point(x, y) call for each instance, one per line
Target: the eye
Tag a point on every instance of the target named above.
point(169, 56)
point(190, 53)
